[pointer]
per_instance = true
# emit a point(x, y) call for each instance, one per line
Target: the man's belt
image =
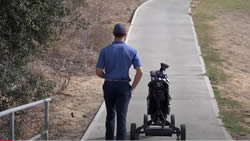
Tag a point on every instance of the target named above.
point(113, 80)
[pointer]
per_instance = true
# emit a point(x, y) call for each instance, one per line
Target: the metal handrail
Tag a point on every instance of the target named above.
point(12, 111)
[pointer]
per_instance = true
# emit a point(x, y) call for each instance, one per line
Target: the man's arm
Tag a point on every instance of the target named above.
point(137, 78)
point(100, 72)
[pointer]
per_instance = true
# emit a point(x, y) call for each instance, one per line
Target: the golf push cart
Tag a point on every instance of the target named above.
point(158, 107)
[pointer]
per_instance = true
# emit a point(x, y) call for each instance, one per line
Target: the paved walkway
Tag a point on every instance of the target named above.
point(162, 31)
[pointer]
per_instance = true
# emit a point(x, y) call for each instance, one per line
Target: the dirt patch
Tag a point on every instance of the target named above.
point(71, 64)
point(75, 107)
point(233, 43)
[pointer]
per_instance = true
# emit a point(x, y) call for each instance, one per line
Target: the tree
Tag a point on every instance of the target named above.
point(26, 28)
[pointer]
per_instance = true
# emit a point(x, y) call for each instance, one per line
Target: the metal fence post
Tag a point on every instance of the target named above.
point(11, 112)
point(46, 127)
point(12, 126)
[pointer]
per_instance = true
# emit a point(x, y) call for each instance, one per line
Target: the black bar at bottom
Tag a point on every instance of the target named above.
point(159, 132)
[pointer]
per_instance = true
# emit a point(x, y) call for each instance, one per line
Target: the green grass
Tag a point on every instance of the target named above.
point(203, 15)
point(232, 122)
point(211, 57)
point(202, 18)
point(225, 101)
point(228, 4)
point(231, 119)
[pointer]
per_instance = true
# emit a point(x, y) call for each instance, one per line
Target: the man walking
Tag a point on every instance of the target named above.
point(113, 65)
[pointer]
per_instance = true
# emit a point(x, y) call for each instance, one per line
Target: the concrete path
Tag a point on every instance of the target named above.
point(162, 31)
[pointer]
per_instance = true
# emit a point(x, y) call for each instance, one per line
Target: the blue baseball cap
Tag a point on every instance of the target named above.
point(119, 29)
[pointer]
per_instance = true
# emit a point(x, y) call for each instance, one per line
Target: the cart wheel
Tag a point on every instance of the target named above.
point(133, 134)
point(172, 119)
point(183, 132)
point(145, 123)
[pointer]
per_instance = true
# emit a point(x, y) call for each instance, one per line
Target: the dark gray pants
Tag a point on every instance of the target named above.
point(117, 96)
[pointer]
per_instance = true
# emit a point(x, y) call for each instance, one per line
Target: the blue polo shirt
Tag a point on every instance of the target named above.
point(116, 59)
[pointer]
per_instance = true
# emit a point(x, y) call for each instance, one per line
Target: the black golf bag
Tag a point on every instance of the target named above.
point(158, 100)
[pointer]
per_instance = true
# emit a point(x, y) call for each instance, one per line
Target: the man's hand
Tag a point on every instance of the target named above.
point(100, 72)
point(132, 89)
point(137, 78)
